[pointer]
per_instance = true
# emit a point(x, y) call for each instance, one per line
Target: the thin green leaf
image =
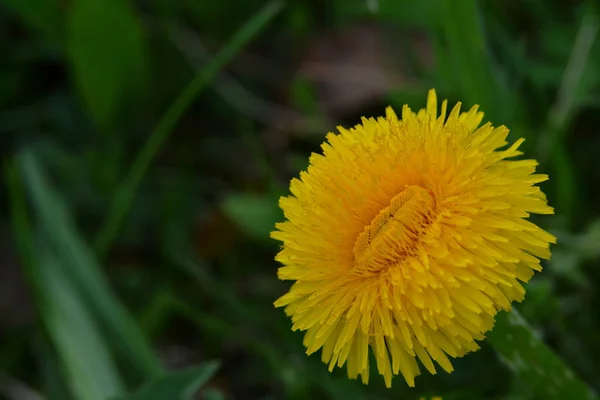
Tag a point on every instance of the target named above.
point(126, 191)
point(179, 385)
point(81, 266)
point(106, 51)
point(529, 358)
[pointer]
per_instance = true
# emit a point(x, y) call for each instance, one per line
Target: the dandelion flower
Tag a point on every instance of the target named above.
point(407, 235)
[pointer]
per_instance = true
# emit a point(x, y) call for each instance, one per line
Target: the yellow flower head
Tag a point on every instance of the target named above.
point(408, 236)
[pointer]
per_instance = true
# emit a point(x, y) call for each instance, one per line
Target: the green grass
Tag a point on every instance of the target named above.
point(139, 199)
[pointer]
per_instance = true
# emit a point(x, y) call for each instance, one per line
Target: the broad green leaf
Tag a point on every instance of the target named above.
point(81, 266)
point(545, 373)
point(256, 215)
point(106, 52)
point(179, 385)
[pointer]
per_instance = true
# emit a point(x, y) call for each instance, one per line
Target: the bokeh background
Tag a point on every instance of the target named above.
point(145, 145)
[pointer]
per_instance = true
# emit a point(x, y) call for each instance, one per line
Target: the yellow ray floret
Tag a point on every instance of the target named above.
point(407, 236)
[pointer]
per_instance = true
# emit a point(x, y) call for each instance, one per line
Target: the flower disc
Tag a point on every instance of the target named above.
point(408, 236)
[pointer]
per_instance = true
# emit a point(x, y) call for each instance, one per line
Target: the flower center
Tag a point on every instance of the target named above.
point(393, 234)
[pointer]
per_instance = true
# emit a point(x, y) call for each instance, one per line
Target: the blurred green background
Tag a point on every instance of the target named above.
point(145, 145)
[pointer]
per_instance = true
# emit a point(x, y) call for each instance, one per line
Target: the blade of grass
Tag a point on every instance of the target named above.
point(84, 356)
point(80, 265)
point(461, 49)
point(532, 362)
point(466, 48)
point(126, 192)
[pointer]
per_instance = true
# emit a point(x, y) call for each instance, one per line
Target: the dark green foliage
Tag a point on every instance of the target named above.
point(145, 146)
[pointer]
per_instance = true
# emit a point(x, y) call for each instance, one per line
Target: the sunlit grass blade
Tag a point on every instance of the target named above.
point(80, 265)
point(532, 362)
point(126, 192)
point(83, 353)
